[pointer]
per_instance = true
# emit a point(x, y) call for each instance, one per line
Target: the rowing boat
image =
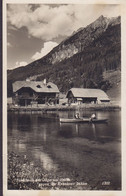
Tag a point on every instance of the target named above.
point(75, 120)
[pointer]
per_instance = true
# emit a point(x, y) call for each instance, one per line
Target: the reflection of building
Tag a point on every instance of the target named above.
point(35, 92)
point(81, 95)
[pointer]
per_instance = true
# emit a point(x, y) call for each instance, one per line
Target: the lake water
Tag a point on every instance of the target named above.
point(82, 152)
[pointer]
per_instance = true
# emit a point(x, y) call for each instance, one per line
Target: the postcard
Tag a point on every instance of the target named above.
point(64, 98)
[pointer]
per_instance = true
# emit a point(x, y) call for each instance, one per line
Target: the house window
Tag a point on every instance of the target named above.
point(38, 86)
point(49, 86)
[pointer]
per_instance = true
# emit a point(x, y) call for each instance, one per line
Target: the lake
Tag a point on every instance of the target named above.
point(54, 155)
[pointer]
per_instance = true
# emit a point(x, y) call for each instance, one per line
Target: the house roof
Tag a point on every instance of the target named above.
point(88, 93)
point(37, 86)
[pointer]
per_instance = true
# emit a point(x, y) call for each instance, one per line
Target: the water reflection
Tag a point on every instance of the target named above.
point(46, 161)
point(21, 147)
point(77, 129)
point(30, 125)
point(102, 132)
point(94, 130)
point(67, 146)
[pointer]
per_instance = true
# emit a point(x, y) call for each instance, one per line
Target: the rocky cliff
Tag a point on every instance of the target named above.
point(80, 40)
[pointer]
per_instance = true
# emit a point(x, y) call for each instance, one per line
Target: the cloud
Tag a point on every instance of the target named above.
point(48, 46)
point(20, 64)
point(48, 22)
point(12, 28)
point(9, 45)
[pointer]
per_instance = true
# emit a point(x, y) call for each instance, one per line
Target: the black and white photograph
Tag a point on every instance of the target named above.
point(63, 97)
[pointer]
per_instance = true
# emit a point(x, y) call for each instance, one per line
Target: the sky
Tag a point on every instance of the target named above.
point(33, 30)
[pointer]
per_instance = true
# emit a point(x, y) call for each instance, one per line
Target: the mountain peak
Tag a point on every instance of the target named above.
point(105, 21)
point(102, 21)
point(101, 17)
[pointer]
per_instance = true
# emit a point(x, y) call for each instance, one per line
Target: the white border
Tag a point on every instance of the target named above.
point(4, 100)
point(123, 102)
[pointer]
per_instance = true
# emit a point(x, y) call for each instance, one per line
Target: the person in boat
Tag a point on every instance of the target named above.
point(93, 116)
point(77, 116)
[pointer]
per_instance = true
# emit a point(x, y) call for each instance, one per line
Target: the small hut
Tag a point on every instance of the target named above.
point(85, 95)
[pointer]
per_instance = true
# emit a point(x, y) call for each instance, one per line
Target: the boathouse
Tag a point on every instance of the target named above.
point(85, 95)
point(34, 92)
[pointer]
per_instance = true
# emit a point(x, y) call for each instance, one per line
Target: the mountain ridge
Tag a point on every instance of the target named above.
point(87, 53)
point(101, 20)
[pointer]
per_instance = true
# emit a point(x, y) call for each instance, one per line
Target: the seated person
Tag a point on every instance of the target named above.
point(77, 115)
point(93, 116)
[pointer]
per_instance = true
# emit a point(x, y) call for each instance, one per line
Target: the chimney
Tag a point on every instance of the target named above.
point(44, 82)
point(27, 79)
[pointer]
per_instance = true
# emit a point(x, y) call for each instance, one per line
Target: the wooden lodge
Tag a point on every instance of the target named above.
point(84, 95)
point(34, 92)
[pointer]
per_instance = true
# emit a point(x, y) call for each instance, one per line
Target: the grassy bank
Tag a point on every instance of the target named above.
point(24, 174)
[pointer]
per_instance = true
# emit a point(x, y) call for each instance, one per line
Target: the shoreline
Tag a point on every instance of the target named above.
point(45, 108)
